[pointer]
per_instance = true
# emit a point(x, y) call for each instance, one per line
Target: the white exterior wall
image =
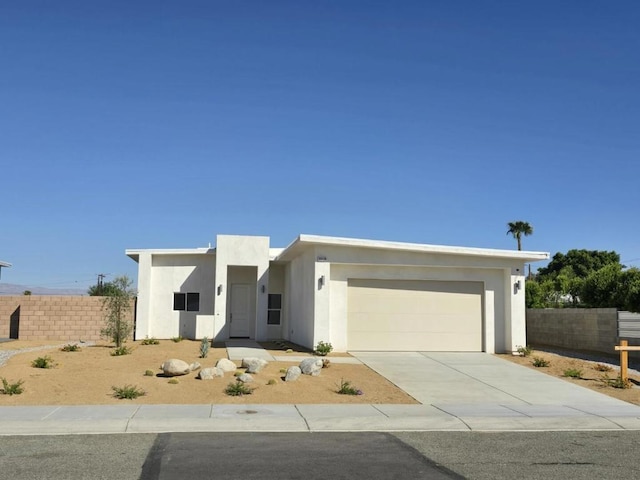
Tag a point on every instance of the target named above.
point(178, 273)
point(145, 293)
point(242, 251)
point(299, 299)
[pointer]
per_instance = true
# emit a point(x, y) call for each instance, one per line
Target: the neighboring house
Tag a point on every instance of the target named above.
point(356, 294)
point(3, 264)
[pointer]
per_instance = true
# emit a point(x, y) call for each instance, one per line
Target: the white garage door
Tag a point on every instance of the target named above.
point(407, 315)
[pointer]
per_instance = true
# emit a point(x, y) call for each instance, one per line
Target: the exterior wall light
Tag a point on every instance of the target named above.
point(321, 281)
point(219, 289)
point(263, 289)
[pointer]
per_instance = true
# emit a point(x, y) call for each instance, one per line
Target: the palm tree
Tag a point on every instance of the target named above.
point(517, 229)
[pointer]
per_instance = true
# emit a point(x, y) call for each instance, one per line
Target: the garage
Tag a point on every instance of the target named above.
point(409, 315)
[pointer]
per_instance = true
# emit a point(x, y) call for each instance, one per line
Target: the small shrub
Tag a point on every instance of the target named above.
point(326, 363)
point(289, 350)
point(149, 373)
point(71, 347)
point(238, 373)
point(540, 362)
point(573, 373)
point(323, 348)
point(173, 381)
point(283, 370)
point(43, 362)
point(177, 339)
point(601, 367)
point(615, 382)
point(271, 382)
point(118, 352)
point(128, 392)
point(150, 341)
point(347, 389)
point(204, 347)
point(524, 351)
point(237, 389)
point(11, 388)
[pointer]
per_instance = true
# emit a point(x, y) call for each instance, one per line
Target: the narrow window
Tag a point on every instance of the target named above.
point(193, 302)
point(274, 309)
point(179, 301)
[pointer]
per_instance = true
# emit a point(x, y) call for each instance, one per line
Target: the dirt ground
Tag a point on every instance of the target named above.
point(591, 377)
point(86, 377)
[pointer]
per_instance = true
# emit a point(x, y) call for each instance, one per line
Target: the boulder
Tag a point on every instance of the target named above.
point(253, 364)
point(311, 366)
point(226, 365)
point(210, 373)
point(174, 367)
point(292, 374)
point(244, 378)
point(194, 366)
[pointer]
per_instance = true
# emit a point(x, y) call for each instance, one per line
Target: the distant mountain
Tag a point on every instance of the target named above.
point(13, 289)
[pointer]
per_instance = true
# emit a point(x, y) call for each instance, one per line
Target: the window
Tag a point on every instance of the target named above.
point(186, 301)
point(274, 309)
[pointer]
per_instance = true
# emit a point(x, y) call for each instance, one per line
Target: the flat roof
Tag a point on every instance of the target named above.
point(4, 264)
point(304, 240)
point(134, 253)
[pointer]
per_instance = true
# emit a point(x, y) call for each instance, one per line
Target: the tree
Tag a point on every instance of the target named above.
point(602, 288)
point(117, 307)
point(27, 292)
point(581, 262)
point(517, 229)
point(103, 290)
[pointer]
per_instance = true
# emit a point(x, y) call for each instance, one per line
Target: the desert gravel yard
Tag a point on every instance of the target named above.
point(86, 377)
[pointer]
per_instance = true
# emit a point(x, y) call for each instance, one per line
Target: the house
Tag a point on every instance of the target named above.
point(3, 264)
point(356, 294)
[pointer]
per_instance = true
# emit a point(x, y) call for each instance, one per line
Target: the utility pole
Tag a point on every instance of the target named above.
point(100, 283)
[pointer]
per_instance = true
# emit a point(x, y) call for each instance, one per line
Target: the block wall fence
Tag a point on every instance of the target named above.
point(49, 317)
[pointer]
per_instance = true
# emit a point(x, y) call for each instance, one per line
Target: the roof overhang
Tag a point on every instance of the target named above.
point(4, 264)
point(304, 241)
point(134, 254)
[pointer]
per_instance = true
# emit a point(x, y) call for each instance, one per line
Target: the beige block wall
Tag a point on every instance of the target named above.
point(47, 317)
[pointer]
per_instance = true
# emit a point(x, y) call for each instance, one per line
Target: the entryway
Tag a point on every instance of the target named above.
point(240, 312)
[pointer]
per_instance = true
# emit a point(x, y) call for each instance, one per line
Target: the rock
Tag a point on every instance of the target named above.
point(253, 364)
point(174, 367)
point(244, 378)
point(226, 365)
point(292, 374)
point(194, 366)
point(210, 373)
point(311, 366)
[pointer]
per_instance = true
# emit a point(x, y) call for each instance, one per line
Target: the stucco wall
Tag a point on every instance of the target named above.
point(300, 288)
point(589, 329)
point(44, 317)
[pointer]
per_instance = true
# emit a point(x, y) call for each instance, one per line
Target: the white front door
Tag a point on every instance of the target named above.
point(240, 314)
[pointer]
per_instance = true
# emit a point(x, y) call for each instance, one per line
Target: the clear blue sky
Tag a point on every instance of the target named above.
point(158, 124)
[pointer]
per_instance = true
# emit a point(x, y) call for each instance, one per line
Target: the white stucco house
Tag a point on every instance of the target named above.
point(356, 294)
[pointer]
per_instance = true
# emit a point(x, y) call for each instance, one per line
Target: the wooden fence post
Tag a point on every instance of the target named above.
point(624, 361)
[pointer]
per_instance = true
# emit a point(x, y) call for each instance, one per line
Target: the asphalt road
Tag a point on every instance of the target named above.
point(311, 456)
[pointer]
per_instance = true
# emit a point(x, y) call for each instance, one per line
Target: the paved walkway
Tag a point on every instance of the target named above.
point(458, 391)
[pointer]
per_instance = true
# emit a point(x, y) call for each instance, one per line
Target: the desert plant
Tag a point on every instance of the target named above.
point(127, 392)
point(118, 352)
point(149, 373)
point(289, 350)
point(204, 347)
point(71, 347)
point(271, 381)
point(117, 308)
point(617, 382)
point(572, 372)
point(283, 370)
point(11, 388)
point(43, 362)
point(323, 348)
point(150, 341)
point(237, 389)
point(326, 363)
point(540, 362)
point(173, 381)
point(345, 388)
point(524, 351)
point(601, 367)
point(177, 339)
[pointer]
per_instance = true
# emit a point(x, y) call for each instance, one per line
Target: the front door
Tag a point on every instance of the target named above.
point(240, 314)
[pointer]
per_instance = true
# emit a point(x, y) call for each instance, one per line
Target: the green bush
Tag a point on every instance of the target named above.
point(173, 381)
point(149, 373)
point(118, 352)
point(150, 341)
point(177, 339)
point(345, 388)
point(128, 392)
point(323, 348)
point(204, 347)
point(43, 362)
point(573, 373)
point(540, 362)
point(271, 381)
point(237, 389)
point(11, 388)
point(71, 347)
point(616, 382)
point(524, 351)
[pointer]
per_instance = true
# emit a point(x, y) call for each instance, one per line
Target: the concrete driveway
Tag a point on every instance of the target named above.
point(480, 384)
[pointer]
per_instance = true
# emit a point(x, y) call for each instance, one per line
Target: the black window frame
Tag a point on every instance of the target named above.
point(274, 312)
point(186, 301)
